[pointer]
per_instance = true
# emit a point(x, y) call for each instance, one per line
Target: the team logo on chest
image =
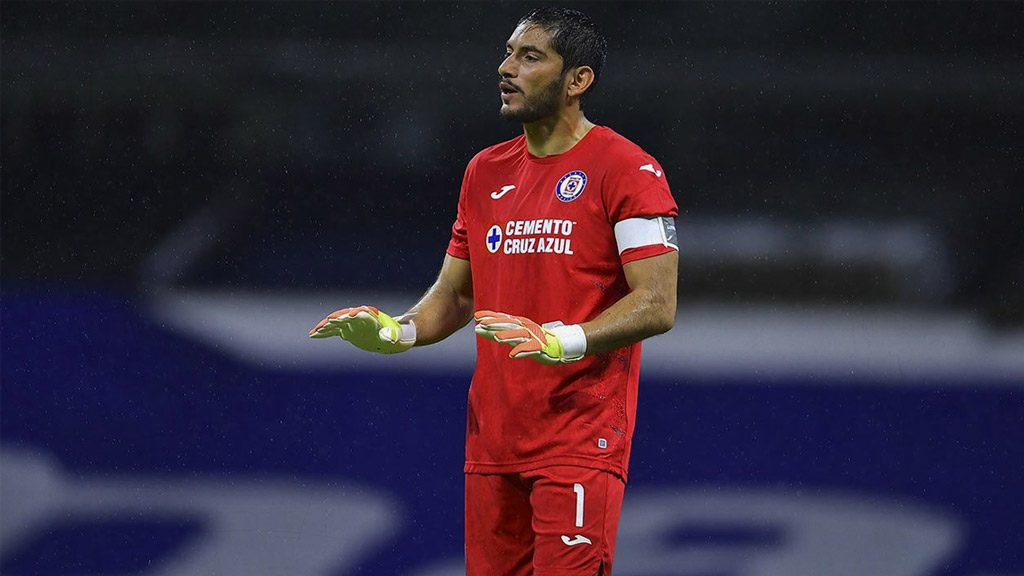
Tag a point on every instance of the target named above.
point(571, 186)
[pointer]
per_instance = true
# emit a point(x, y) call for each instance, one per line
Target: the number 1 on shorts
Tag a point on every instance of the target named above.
point(578, 489)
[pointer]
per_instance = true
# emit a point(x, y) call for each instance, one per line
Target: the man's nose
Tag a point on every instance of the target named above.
point(507, 67)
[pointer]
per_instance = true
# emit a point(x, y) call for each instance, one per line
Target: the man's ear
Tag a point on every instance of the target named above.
point(579, 80)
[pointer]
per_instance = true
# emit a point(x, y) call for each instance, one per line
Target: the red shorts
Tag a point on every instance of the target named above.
point(555, 521)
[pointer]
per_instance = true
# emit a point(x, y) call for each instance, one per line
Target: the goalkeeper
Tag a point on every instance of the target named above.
point(563, 253)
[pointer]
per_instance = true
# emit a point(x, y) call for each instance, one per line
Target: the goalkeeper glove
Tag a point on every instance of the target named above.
point(367, 328)
point(552, 343)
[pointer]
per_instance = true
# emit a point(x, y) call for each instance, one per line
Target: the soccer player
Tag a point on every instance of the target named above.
point(564, 249)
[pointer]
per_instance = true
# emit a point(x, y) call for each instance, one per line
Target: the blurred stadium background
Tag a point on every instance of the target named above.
point(188, 187)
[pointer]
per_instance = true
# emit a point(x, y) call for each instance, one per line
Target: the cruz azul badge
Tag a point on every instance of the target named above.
point(571, 186)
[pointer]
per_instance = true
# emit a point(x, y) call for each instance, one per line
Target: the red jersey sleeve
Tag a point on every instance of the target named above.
point(637, 187)
point(458, 246)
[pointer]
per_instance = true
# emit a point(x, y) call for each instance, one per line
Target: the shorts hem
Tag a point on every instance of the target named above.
point(597, 565)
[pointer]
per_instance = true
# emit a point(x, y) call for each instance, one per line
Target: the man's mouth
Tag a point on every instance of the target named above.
point(507, 88)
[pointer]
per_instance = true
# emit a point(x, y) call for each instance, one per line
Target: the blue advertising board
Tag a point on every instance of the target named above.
point(133, 446)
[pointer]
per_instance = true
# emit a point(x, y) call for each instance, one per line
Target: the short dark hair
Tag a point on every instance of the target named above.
point(574, 36)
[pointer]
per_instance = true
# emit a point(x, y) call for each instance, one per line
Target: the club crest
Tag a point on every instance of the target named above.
point(571, 186)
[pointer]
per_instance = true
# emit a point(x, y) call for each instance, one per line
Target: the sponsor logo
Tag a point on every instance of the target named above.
point(571, 186)
point(493, 239)
point(766, 530)
point(246, 525)
point(579, 539)
point(650, 168)
point(504, 190)
point(539, 236)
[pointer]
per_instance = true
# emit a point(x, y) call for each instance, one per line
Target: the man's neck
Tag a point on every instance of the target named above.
point(556, 134)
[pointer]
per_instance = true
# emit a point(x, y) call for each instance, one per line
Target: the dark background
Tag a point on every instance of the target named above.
point(322, 144)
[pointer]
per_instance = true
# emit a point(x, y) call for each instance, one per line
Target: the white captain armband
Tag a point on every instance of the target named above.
point(640, 232)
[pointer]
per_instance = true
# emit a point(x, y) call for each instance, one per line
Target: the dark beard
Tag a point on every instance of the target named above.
point(541, 105)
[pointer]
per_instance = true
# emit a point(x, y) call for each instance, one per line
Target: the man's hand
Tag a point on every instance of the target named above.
point(553, 343)
point(369, 329)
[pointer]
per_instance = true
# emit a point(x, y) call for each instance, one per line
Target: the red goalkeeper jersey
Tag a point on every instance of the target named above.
point(539, 234)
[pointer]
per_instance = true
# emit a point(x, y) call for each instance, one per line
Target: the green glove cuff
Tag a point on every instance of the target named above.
point(573, 340)
point(401, 336)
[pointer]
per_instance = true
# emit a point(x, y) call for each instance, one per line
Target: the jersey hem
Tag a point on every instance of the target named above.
point(456, 253)
point(643, 252)
point(517, 467)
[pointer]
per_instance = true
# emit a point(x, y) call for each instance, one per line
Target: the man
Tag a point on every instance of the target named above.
point(569, 222)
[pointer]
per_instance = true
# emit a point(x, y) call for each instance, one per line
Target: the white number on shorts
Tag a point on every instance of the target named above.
point(578, 489)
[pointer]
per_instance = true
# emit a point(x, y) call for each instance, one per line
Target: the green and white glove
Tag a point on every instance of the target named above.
point(552, 343)
point(367, 328)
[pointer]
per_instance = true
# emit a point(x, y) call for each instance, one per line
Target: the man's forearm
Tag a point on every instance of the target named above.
point(648, 310)
point(639, 315)
point(446, 306)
